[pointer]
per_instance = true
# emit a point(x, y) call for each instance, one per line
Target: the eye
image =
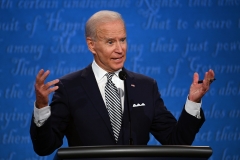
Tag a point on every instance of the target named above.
point(110, 42)
point(123, 39)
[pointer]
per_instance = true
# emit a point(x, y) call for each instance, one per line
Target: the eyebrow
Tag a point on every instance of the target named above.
point(106, 38)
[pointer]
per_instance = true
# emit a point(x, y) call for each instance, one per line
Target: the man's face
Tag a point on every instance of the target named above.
point(110, 46)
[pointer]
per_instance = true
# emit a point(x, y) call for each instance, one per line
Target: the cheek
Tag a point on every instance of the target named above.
point(124, 47)
point(108, 52)
point(105, 55)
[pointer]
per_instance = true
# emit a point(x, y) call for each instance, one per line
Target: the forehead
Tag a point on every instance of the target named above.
point(113, 29)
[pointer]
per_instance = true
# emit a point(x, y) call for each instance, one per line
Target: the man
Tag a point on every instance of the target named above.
point(82, 109)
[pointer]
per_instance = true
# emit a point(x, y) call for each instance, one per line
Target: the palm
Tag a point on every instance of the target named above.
point(196, 92)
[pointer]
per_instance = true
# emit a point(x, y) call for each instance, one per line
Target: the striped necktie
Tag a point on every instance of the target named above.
point(113, 104)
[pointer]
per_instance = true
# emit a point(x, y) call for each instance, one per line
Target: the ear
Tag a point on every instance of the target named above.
point(91, 44)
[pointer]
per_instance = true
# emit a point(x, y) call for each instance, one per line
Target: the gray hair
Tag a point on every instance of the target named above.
point(103, 16)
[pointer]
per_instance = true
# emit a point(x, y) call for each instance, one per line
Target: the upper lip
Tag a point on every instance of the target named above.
point(117, 57)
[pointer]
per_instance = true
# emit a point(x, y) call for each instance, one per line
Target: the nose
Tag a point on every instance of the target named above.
point(119, 47)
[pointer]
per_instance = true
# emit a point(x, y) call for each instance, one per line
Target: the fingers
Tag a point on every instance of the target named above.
point(209, 76)
point(206, 82)
point(195, 78)
point(41, 77)
point(49, 84)
point(42, 90)
point(52, 89)
point(206, 78)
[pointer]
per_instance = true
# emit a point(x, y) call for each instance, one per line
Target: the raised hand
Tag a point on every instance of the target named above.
point(198, 90)
point(42, 90)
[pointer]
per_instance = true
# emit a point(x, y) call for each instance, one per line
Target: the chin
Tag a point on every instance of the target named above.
point(116, 68)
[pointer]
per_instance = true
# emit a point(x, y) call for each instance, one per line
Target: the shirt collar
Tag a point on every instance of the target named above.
point(99, 72)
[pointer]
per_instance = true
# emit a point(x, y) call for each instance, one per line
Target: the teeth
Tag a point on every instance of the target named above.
point(116, 58)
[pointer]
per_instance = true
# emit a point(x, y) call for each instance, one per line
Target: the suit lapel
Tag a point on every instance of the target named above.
point(89, 84)
point(130, 86)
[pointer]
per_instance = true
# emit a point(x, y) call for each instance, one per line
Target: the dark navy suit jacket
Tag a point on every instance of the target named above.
point(79, 113)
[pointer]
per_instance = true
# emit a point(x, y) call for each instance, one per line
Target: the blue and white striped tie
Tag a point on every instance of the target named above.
point(113, 104)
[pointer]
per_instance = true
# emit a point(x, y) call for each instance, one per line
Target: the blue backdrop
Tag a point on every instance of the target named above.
point(168, 40)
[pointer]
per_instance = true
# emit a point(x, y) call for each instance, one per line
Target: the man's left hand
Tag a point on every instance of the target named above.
point(198, 90)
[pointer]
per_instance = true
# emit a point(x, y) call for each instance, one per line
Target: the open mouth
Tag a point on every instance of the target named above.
point(117, 59)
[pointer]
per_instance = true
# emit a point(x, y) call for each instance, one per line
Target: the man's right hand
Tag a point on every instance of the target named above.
point(42, 90)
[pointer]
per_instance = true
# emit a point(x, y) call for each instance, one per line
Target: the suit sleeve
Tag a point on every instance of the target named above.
point(47, 138)
point(169, 131)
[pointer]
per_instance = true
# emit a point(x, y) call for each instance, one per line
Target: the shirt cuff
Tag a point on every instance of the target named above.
point(193, 108)
point(41, 115)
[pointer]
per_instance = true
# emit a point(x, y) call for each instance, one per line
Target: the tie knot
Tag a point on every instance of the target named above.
point(109, 76)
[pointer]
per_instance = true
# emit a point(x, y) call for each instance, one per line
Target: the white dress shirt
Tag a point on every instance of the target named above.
point(101, 79)
point(41, 115)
